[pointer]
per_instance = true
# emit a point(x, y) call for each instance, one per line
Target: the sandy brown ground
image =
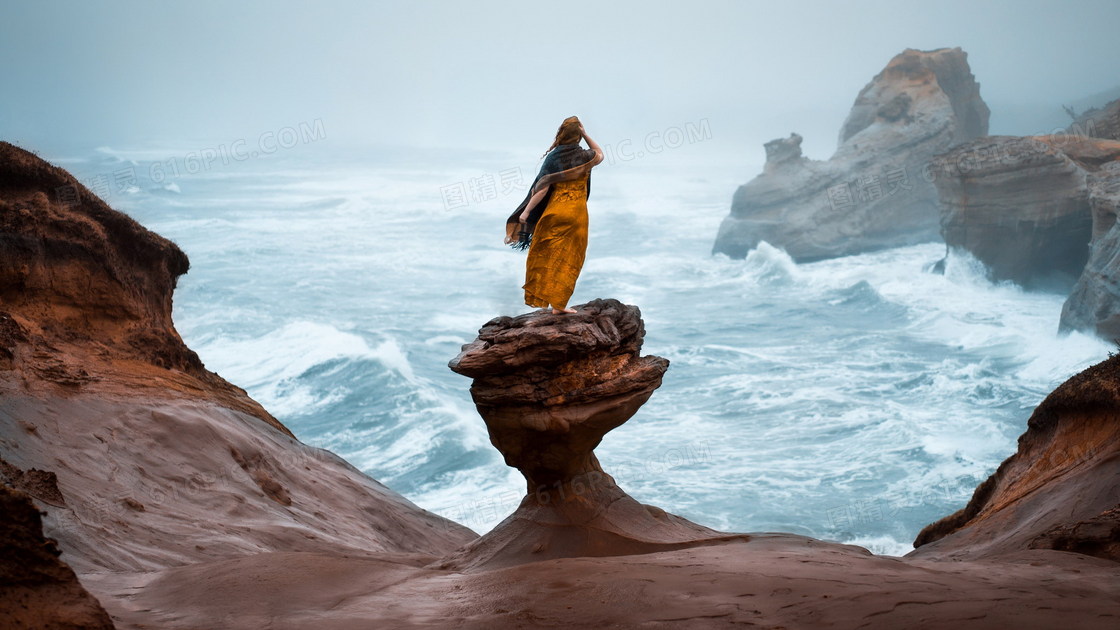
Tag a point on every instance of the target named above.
point(777, 581)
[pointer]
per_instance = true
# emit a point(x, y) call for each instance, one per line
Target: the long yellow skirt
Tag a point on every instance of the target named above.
point(558, 248)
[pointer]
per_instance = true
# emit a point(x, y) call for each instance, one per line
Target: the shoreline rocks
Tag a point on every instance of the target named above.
point(141, 458)
point(1060, 490)
point(874, 192)
point(1040, 211)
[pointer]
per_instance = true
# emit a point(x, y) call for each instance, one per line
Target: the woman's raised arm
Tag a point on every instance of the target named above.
point(599, 156)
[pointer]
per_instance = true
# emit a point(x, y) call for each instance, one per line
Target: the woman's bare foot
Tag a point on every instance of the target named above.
point(566, 310)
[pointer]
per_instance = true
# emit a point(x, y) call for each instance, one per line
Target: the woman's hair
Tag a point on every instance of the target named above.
point(568, 133)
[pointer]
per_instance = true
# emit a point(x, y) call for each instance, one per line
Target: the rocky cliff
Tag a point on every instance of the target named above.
point(145, 460)
point(1060, 490)
point(1094, 303)
point(1040, 211)
point(1023, 205)
point(874, 192)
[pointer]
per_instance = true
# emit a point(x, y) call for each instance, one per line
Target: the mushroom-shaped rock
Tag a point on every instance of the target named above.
point(549, 387)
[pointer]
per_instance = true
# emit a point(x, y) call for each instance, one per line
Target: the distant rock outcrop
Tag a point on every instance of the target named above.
point(1040, 211)
point(549, 387)
point(1060, 490)
point(1094, 303)
point(1022, 205)
point(874, 192)
point(1103, 122)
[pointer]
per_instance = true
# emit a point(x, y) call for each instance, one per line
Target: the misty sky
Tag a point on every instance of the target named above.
point(504, 74)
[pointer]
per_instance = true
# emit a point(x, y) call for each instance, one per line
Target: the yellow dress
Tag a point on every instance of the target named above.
point(558, 247)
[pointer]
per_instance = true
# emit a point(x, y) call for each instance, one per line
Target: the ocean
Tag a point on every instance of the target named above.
point(855, 399)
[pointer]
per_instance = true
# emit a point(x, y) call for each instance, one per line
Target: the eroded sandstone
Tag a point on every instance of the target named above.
point(549, 387)
point(1060, 490)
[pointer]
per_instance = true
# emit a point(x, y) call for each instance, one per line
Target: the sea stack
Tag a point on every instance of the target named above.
point(874, 192)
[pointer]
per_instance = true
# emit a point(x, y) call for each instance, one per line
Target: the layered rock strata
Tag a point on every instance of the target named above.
point(1022, 206)
point(1040, 211)
point(874, 192)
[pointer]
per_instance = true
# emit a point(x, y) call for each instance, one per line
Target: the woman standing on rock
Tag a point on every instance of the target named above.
point(552, 220)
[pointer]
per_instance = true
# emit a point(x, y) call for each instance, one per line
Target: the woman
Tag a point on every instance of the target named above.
point(552, 221)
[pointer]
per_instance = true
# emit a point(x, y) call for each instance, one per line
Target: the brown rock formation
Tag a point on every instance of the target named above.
point(82, 285)
point(1022, 205)
point(873, 193)
point(144, 459)
point(1060, 490)
point(549, 387)
point(37, 590)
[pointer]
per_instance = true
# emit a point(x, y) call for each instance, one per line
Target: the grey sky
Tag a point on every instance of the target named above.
point(503, 74)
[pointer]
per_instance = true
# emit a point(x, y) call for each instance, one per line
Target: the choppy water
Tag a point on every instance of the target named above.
point(856, 399)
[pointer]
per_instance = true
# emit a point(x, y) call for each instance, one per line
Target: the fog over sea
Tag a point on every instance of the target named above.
point(855, 399)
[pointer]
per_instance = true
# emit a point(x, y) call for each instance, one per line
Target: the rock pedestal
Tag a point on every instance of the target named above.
point(549, 387)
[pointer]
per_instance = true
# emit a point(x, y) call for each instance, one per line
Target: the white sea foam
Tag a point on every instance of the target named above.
point(881, 545)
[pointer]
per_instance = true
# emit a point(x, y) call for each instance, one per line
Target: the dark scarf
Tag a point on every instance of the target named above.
point(561, 164)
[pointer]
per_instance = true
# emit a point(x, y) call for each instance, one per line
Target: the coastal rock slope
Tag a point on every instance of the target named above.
point(145, 460)
point(1060, 490)
point(874, 192)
